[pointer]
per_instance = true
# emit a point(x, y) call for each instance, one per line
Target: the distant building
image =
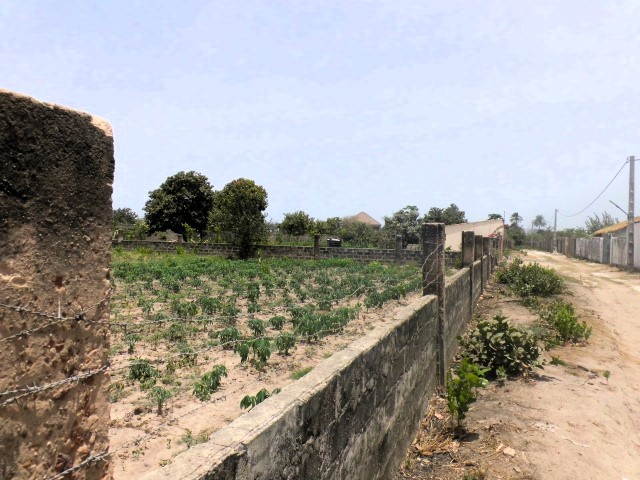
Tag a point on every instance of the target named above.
point(617, 230)
point(487, 228)
point(364, 217)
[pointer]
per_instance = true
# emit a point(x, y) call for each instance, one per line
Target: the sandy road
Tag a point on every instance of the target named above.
point(576, 423)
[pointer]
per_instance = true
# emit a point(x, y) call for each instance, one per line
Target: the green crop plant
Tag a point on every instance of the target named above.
point(462, 388)
point(188, 356)
point(250, 401)
point(298, 374)
point(242, 349)
point(284, 342)
point(184, 309)
point(159, 396)
point(142, 370)
point(228, 337)
point(277, 322)
point(496, 343)
point(209, 305)
point(261, 350)
point(189, 439)
point(177, 332)
point(257, 327)
point(209, 383)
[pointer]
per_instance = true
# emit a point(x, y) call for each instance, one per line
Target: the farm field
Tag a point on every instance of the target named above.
point(193, 337)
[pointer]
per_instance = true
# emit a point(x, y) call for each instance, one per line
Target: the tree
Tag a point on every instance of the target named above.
point(539, 222)
point(405, 222)
point(124, 217)
point(297, 223)
point(449, 216)
point(516, 235)
point(238, 214)
point(515, 219)
point(183, 199)
point(495, 216)
point(358, 234)
point(595, 223)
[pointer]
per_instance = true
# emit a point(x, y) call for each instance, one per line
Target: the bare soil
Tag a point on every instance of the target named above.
point(186, 418)
point(567, 421)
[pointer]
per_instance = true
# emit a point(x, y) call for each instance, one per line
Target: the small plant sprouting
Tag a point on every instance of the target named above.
point(209, 383)
point(189, 439)
point(461, 388)
point(298, 374)
point(250, 401)
point(606, 374)
point(158, 396)
point(557, 361)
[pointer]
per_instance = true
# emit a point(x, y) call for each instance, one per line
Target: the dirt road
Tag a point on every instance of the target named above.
point(571, 422)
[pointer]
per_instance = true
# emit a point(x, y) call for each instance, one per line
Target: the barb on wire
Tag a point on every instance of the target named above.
point(30, 390)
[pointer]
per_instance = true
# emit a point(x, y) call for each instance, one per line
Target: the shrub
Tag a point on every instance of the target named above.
point(285, 342)
point(158, 396)
point(257, 327)
point(142, 370)
point(560, 317)
point(228, 337)
point(461, 388)
point(242, 349)
point(495, 343)
point(261, 349)
point(277, 322)
point(531, 279)
point(209, 383)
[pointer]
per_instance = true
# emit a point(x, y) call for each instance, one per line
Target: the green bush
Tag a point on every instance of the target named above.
point(531, 279)
point(142, 370)
point(209, 383)
point(228, 337)
point(560, 317)
point(461, 388)
point(250, 401)
point(285, 342)
point(277, 322)
point(496, 343)
point(257, 327)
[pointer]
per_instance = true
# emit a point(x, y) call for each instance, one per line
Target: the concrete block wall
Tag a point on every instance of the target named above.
point(56, 172)
point(352, 417)
point(476, 280)
point(459, 309)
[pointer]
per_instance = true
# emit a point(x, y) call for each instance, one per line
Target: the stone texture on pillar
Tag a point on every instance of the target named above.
point(56, 175)
point(398, 253)
point(468, 248)
point(478, 248)
point(316, 246)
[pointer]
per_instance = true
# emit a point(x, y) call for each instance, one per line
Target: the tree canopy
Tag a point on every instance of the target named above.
point(124, 217)
point(595, 223)
point(297, 223)
point(185, 198)
point(539, 222)
point(405, 222)
point(449, 216)
point(515, 219)
point(495, 216)
point(238, 214)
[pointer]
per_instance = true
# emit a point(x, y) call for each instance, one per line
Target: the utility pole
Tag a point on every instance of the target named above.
point(630, 213)
point(555, 225)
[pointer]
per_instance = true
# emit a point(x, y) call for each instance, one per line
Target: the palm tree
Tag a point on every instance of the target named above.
point(539, 222)
point(515, 219)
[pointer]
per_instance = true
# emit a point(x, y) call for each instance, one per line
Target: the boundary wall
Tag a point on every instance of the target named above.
point(355, 414)
point(607, 250)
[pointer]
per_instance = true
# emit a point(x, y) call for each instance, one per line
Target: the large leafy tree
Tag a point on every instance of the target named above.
point(238, 215)
point(405, 222)
point(494, 216)
point(124, 217)
point(182, 202)
point(297, 223)
point(449, 216)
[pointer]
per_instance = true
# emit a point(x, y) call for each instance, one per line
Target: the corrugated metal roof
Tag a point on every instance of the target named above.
point(615, 228)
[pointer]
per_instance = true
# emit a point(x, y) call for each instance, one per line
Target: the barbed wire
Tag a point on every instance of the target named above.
point(30, 390)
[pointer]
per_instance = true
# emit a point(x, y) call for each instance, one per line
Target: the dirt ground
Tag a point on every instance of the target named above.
point(185, 419)
point(568, 422)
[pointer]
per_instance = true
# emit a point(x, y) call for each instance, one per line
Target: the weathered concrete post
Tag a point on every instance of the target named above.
point(56, 172)
point(316, 246)
point(468, 255)
point(478, 256)
point(398, 254)
point(486, 250)
point(433, 283)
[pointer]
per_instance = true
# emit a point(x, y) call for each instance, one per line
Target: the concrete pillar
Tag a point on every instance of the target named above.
point(316, 246)
point(398, 252)
point(468, 248)
point(486, 250)
point(433, 283)
point(56, 173)
point(478, 247)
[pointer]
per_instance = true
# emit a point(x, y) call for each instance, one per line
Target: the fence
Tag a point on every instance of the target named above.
point(607, 250)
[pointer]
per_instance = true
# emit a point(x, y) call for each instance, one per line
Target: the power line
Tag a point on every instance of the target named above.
point(599, 195)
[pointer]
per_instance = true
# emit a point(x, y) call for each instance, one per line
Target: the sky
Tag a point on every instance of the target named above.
point(341, 107)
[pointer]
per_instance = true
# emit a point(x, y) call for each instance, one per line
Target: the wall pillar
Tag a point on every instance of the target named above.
point(398, 252)
point(433, 283)
point(316, 246)
point(56, 172)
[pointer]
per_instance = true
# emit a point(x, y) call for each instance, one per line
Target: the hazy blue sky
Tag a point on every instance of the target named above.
point(338, 107)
